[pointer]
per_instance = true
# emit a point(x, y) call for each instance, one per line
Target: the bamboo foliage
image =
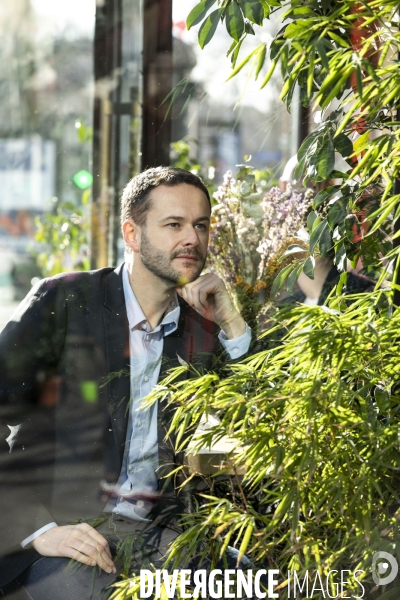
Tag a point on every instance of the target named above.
point(341, 55)
point(316, 421)
point(314, 413)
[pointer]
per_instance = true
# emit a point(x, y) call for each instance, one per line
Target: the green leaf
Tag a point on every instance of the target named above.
point(359, 81)
point(338, 175)
point(308, 267)
point(244, 61)
point(245, 542)
point(289, 96)
point(336, 213)
point(293, 249)
point(199, 12)
point(311, 219)
point(248, 28)
point(371, 71)
point(235, 53)
point(340, 256)
point(253, 10)
point(231, 49)
point(277, 43)
point(360, 141)
point(325, 242)
point(299, 169)
point(353, 227)
point(324, 195)
point(343, 145)
point(341, 81)
point(339, 40)
point(295, 30)
point(293, 277)
point(209, 27)
point(311, 74)
point(266, 7)
point(269, 74)
point(280, 280)
point(261, 60)
point(310, 139)
point(293, 73)
point(316, 234)
point(322, 54)
point(325, 158)
point(299, 12)
point(234, 21)
point(284, 67)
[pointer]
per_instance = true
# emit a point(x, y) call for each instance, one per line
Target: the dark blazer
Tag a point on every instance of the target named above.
point(64, 374)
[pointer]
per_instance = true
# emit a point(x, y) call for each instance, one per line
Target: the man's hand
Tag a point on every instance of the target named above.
point(208, 295)
point(80, 542)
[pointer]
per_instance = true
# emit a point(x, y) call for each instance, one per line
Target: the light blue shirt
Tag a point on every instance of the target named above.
point(138, 479)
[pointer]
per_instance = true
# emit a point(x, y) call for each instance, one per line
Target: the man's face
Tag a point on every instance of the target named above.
point(173, 241)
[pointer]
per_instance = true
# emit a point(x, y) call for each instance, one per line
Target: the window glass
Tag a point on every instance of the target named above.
point(226, 120)
point(46, 105)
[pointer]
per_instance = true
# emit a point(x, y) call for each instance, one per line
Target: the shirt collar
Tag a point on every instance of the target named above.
point(136, 317)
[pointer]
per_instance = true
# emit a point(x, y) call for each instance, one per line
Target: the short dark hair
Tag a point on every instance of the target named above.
point(135, 201)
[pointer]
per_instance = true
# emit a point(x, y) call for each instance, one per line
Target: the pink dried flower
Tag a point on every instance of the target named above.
point(242, 247)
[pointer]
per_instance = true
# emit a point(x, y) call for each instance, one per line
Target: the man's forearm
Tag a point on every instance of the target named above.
point(237, 346)
point(235, 328)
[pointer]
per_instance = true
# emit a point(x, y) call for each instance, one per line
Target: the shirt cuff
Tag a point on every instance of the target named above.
point(32, 537)
point(239, 345)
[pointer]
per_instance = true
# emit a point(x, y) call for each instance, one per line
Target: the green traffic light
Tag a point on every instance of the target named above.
point(83, 179)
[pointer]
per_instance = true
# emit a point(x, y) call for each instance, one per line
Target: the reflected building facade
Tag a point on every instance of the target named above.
point(83, 89)
point(84, 106)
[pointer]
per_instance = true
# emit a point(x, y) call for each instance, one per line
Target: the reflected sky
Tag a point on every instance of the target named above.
point(73, 17)
point(213, 67)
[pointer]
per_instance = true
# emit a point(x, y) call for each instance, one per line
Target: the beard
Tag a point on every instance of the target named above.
point(160, 263)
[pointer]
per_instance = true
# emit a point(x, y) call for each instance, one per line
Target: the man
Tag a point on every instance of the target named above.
point(75, 360)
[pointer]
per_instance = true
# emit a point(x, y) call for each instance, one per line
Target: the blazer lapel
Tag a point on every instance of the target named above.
point(176, 351)
point(118, 360)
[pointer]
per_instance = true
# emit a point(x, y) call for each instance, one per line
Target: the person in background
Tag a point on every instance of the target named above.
point(314, 292)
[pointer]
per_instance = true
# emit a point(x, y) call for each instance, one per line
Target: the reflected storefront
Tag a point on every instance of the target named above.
point(228, 119)
point(71, 86)
point(85, 103)
point(46, 88)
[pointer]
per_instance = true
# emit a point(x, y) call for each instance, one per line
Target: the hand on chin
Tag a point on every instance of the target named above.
point(208, 296)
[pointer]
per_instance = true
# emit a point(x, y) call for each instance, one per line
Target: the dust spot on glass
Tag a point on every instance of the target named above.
point(12, 438)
